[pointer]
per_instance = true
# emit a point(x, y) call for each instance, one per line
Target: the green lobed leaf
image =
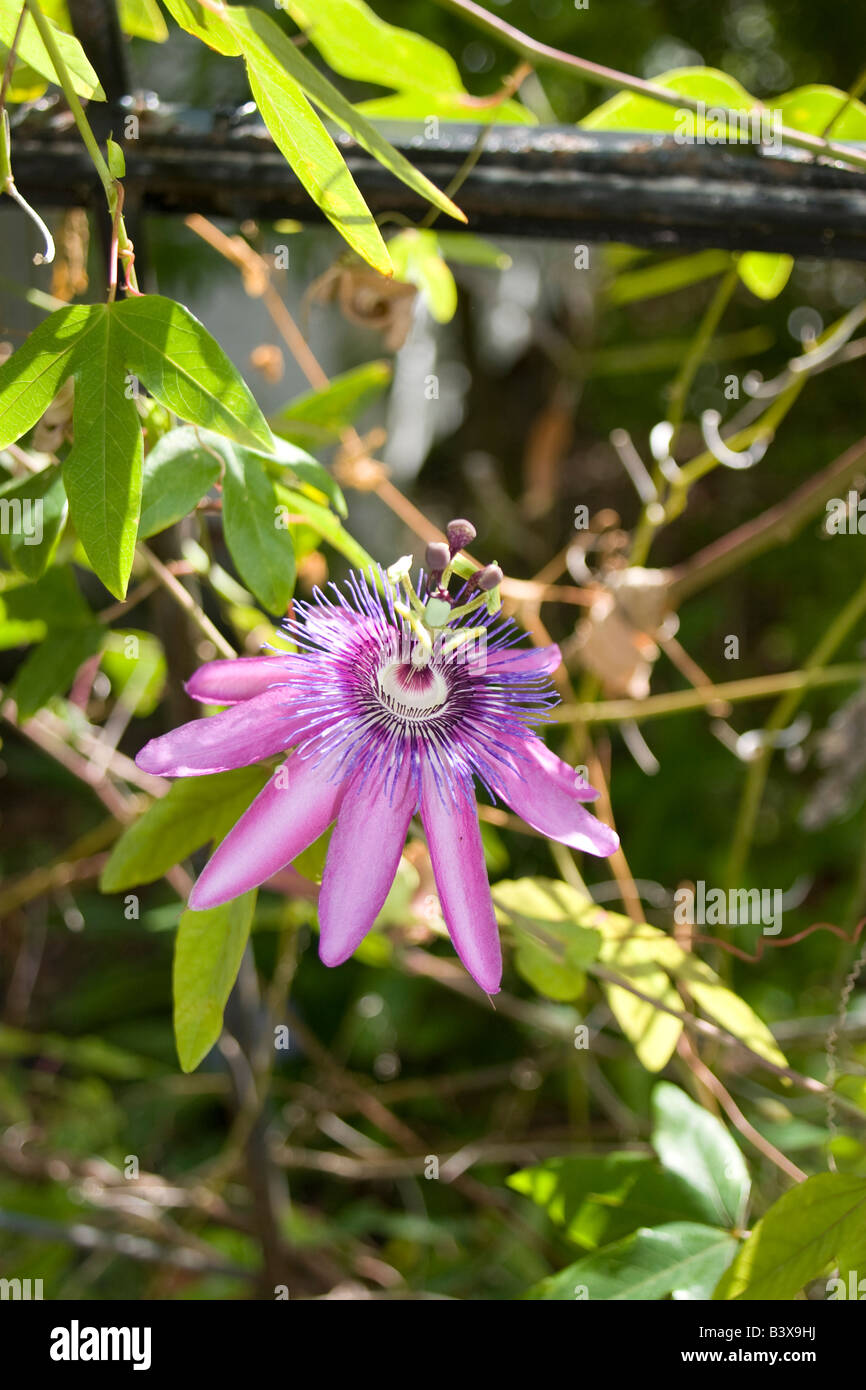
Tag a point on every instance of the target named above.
point(298, 132)
point(259, 544)
point(179, 470)
point(651, 961)
point(681, 1259)
point(32, 51)
point(204, 24)
point(628, 111)
point(142, 19)
point(102, 472)
point(30, 543)
point(186, 369)
point(207, 956)
point(106, 346)
point(694, 1144)
point(265, 43)
point(193, 811)
point(32, 376)
point(599, 1199)
point(307, 471)
point(819, 1223)
point(652, 1032)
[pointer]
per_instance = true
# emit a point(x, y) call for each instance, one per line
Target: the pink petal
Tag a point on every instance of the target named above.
point(244, 734)
point(362, 860)
point(294, 809)
point(553, 767)
point(461, 881)
point(543, 793)
point(531, 662)
point(228, 682)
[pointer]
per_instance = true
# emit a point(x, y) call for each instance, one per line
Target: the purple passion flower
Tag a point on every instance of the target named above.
point(386, 708)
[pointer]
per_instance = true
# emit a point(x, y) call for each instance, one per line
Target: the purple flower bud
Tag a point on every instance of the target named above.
point(461, 533)
point(489, 578)
point(437, 557)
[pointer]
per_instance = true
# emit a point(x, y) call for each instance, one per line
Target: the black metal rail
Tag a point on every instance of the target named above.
point(648, 190)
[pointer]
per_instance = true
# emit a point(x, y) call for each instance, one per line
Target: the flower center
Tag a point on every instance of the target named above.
point(414, 693)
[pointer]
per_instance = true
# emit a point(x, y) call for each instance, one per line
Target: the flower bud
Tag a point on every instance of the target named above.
point(460, 534)
point(489, 578)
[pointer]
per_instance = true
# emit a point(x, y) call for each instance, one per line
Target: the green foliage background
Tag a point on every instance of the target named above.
point(90, 1074)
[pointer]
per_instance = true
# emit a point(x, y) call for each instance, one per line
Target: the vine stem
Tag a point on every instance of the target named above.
point(679, 394)
point(182, 596)
point(783, 711)
point(788, 683)
point(106, 178)
point(708, 1079)
point(534, 51)
point(7, 182)
point(695, 355)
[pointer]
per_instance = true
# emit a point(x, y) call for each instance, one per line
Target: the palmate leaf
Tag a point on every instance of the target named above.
point(357, 44)
point(284, 82)
point(818, 1224)
point(107, 348)
point(186, 369)
point(32, 51)
point(649, 960)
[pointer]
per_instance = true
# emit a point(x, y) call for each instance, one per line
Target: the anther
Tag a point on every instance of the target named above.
point(490, 577)
point(437, 558)
point(461, 533)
